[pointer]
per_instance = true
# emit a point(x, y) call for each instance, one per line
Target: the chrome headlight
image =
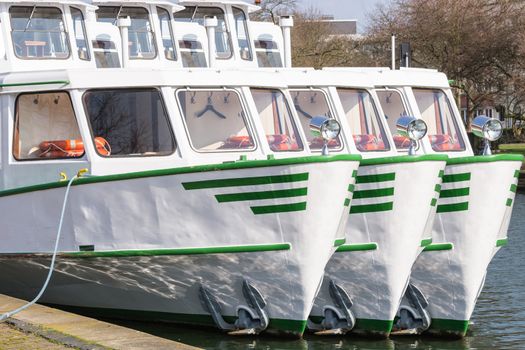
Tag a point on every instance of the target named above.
point(488, 128)
point(414, 129)
point(326, 128)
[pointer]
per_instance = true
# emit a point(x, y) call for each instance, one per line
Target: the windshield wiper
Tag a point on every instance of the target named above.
point(30, 18)
point(118, 14)
point(194, 13)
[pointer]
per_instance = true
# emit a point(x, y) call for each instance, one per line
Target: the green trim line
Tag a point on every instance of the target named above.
point(354, 173)
point(454, 192)
point(179, 251)
point(509, 202)
point(248, 196)
point(33, 83)
point(441, 173)
point(244, 181)
point(513, 188)
point(356, 247)
point(433, 202)
point(486, 159)
point(339, 242)
point(381, 192)
point(365, 326)
point(438, 247)
point(366, 179)
point(448, 327)
point(426, 242)
point(276, 325)
point(517, 174)
point(185, 170)
point(351, 188)
point(404, 159)
point(456, 177)
point(347, 202)
point(448, 208)
point(371, 208)
point(437, 188)
point(278, 208)
point(502, 242)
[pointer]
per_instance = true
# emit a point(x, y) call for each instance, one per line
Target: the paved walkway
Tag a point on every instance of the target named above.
point(41, 327)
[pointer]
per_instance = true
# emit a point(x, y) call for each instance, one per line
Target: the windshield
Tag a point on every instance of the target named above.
point(394, 108)
point(361, 114)
point(443, 131)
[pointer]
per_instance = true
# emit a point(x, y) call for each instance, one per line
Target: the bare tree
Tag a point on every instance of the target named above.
point(477, 43)
point(272, 9)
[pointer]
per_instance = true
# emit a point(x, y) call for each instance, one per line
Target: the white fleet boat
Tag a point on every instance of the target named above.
point(186, 215)
point(473, 209)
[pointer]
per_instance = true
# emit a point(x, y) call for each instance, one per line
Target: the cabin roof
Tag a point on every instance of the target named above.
point(168, 3)
point(249, 7)
point(82, 3)
point(132, 78)
point(413, 77)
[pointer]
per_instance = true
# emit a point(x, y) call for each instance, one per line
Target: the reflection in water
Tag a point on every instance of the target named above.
point(498, 320)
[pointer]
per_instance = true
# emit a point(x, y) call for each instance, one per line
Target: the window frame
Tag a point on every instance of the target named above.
point(15, 123)
point(246, 30)
point(293, 120)
point(65, 32)
point(247, 121)
point(407, 108)
point(459, 131)
point(172, 36)
point(153, 34)
point(333, 114)
point(163, 104)
point(84, 31)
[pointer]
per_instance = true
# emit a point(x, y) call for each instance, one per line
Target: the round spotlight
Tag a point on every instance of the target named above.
point(326, 128)
point(414, 129)
point(488, 128)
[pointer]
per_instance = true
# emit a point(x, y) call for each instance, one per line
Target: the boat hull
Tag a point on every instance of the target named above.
point(154, 239)
point(390, 220)
point(474, 211)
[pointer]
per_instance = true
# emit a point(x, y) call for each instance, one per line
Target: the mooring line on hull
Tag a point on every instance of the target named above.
point(6, 315)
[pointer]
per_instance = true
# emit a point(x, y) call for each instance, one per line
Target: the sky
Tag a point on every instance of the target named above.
point(345, 9)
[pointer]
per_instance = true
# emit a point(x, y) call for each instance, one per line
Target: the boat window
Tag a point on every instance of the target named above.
point(276, 118)
point(361, 114)
point(167, 34)
point(141, 38)
point(268, 54)
point(38, 32)
point(46, 127)
point(393, 106)
point(79, 30)
point(106, 54)
point(215, 120)
point(129, 122)
point(308, 104)
point(191, 52)
point(443, 131)
point(243, 37)
point(196, 14)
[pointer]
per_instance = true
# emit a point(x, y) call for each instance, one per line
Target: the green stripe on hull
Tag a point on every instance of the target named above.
point(448, 208)
point(277, 326)
point(425, 242)
point(517, 174)
point(455, 192)
point(501, 242)
point(179, 251)
point(456, 177)
point(371, 208)
point(278, 208)
point(508, 203)
point(248, 196)
point(244, 181)
point(365, 326)
point(513, 188)
point(366, 179)
point(339, 242)
point(433, 202)
point(448, 328)
point(437, 188)
point(356, 247)
point(438, 247)
point(347, 202)
point(380, 192)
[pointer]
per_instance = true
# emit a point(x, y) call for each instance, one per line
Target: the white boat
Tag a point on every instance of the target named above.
point(473, 209)
point(186, 215)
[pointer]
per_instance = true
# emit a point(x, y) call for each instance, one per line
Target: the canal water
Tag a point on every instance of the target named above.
point(498, 321)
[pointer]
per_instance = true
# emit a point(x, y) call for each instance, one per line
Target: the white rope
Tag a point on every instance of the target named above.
point(5, 316)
